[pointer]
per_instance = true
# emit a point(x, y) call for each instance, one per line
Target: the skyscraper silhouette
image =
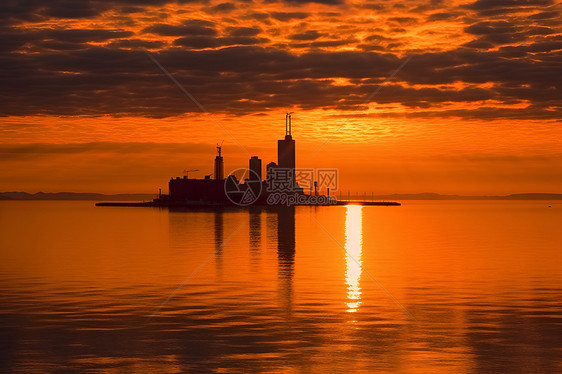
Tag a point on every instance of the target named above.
point(219, 164)
point(286, 148)
point(255, 168)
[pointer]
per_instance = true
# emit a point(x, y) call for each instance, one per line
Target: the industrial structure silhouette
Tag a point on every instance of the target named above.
point(226, 191)
point(280, 187)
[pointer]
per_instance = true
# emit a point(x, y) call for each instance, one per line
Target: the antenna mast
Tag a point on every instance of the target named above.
point(219, 148)
point(288, 123)
point(219, 164)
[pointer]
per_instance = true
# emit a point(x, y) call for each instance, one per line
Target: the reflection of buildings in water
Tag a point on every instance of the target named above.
point(219, 240)
point(353, 261)
point(186, 232)
point(279, 235)
point(286, 253)
point(255, 236)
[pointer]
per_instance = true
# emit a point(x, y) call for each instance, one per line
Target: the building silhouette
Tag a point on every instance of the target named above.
point(185, 191)
point(255, 168)
point(286, 149)
point(270, 170)
point(279, 188)
point(219, 164)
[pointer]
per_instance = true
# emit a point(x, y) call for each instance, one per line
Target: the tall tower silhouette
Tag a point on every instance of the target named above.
point(255, 168)
point(286, 148)
point(219, 164)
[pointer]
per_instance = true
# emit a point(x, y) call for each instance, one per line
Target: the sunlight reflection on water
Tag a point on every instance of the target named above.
point(353, 247)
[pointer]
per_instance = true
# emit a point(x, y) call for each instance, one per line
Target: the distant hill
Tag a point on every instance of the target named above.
point(74, 196)
point(534, 196)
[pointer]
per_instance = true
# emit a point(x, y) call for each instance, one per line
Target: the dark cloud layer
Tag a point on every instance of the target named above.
point(41, 150)
point(307, 35)
point(511, 60)
point(100, 80)
point(33, 10)
point(192, 27)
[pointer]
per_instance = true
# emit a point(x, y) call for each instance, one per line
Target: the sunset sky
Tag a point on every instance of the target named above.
point(475, 108)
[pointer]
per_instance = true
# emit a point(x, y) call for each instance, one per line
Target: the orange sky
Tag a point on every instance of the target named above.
point(475, 110)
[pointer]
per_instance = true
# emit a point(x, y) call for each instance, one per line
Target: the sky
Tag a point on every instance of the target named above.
point(453, 97)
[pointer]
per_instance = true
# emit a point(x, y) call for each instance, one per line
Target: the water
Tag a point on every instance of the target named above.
point(427, 287)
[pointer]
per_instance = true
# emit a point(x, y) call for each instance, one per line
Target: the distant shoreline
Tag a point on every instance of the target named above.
point(74, 196)
point(4, 196)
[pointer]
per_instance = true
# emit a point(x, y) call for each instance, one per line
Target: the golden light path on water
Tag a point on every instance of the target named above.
point(353, 248)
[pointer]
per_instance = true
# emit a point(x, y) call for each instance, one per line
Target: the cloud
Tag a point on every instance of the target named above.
point(56, 38)
point(550, 14)
point(35, 10)
point(137, 43)
point(441, 16)
point(486, 113)
point(242, 79)
point(191, 27)
point(41, 150)
point(307, 35)
point(291, 58)
point(201, 42)
point(326, 2)
point(287, 16)
point(484, 6)
point(404, 20)
point(223, 8)
point(491, 27)
point(322, 44)
point(84, 35)
point(243, 31)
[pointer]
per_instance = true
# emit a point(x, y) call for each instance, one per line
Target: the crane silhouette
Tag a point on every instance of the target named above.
point(188, 171)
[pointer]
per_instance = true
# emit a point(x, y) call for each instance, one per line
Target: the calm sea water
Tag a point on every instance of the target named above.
point(427, 287)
